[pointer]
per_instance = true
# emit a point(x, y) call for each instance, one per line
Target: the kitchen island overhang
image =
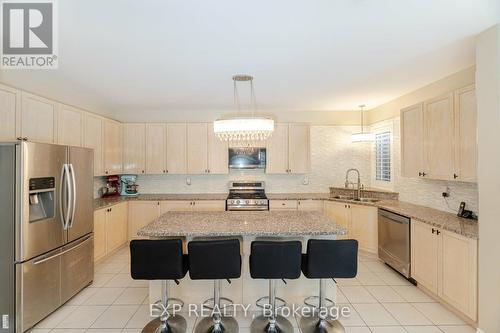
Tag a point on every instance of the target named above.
point(247, 226)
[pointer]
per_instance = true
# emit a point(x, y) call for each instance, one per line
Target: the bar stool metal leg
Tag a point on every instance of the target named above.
point(217, 323)
point(319, 321)
point(273, 323)
point(166, 323)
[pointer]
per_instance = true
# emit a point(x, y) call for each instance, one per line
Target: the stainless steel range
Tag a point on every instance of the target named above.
point(247, 196)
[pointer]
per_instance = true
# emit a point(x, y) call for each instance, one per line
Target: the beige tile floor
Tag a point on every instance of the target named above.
point(380, 300)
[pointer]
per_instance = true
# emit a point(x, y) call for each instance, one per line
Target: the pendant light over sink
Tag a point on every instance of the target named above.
point(362, 136)
point(244, 128)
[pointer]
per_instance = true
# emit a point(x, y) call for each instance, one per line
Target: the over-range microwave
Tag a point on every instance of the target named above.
point(247, 158)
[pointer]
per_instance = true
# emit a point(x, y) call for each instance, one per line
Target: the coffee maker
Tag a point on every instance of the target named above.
point(112, 186)
point(129, 185)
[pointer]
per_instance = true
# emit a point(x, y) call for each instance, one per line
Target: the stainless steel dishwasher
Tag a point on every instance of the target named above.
point(394, 241)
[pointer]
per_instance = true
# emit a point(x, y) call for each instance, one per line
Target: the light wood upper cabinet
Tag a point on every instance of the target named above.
point(70, 127)
point(288, 149)
point(10, 101)
point(140, 214)
point(412, 140)
point(156, 148)
point(466, 134)
point(459, 273)
point(112, 147)
point(438, 137)
point(299, 159)
point(277, 150)
point(93, 139)
point(99, 234)
point(197, 148)
point(38, 118)
point(439, 132)
point(176, 148)
point(217, 153)
point(425, 249)
point(134, 148)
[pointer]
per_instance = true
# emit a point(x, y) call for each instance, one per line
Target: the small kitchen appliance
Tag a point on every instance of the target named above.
point(112, 187)
point(129, 185)
point(247, 196)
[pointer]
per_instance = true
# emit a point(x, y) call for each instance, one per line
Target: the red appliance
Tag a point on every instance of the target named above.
point(112, 187)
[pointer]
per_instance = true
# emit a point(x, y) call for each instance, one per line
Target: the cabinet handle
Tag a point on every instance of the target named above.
point(142, 171)
point(164, 171)
point(433, 230)
point(106, 172)
point(423, 174)
point(455, 176)
point(420, 174)
point(438, 232)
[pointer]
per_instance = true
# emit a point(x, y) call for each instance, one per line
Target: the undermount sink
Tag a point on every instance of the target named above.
point(348, 197)
point(343, 197)
point(367, 199)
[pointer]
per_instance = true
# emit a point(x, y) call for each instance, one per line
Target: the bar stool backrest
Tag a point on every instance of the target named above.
point(331, 259)
point(214, 259)
point(157, 259)
point(275, 259)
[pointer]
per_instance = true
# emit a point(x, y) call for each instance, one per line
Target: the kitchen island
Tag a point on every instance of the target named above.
point(246, 226)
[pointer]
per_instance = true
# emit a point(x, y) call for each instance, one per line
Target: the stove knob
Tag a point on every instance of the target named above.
point(247, 202)
point(237, 201)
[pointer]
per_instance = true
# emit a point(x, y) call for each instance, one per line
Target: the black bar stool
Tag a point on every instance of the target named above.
point(160, 260)
point(215, 260)
point(327, 259)
point(274, 260)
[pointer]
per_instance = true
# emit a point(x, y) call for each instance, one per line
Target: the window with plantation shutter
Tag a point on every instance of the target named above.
point(383, 156)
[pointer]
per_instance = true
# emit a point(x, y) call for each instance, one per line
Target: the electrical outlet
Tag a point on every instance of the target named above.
point(446, 192)
point(5, 321)
point(188, 181)
point(305, 181)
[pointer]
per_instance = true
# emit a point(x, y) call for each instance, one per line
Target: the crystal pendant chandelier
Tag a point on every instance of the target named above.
point(244, 128)
point(362, 136)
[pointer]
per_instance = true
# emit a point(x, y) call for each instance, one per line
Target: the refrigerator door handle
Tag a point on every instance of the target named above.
point(50, 257)
point(73, 190)
point(61, 194)
point(70, 196)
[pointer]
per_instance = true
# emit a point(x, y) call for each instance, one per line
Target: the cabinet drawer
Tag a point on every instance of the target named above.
point(283, 204)
point(310, 205)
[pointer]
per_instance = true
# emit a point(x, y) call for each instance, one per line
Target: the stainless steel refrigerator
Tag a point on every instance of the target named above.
point(46, 224)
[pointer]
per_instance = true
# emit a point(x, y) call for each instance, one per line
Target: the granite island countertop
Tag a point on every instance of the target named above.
point(232, 223)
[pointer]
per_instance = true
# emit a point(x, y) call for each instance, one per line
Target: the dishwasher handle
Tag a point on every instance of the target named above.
point(394, 217)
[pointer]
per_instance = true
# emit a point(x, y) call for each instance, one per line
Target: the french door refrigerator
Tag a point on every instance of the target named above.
point(46, 224)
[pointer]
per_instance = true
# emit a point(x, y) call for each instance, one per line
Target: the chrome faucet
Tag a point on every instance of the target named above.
point(359, 186)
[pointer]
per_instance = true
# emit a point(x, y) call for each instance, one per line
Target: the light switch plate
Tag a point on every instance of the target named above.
point(5, 321)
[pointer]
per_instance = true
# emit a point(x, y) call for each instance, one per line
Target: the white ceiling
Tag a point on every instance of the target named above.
point(148, 60)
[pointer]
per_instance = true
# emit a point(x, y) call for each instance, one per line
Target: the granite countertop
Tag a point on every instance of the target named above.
point(110, 201)
point(444, 220)
point(230, 223)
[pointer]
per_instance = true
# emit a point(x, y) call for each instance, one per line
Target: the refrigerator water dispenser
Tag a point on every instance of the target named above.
point(41, 199)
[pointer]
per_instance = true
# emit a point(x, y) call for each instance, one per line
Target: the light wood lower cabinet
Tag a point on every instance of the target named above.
point(360, 221)
point(424, 255)
point(445, 263)
point(100, 234)
point(310, 205)
point(194, 205)
point(140, 214)
point(282, 204)
point(110, 229)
